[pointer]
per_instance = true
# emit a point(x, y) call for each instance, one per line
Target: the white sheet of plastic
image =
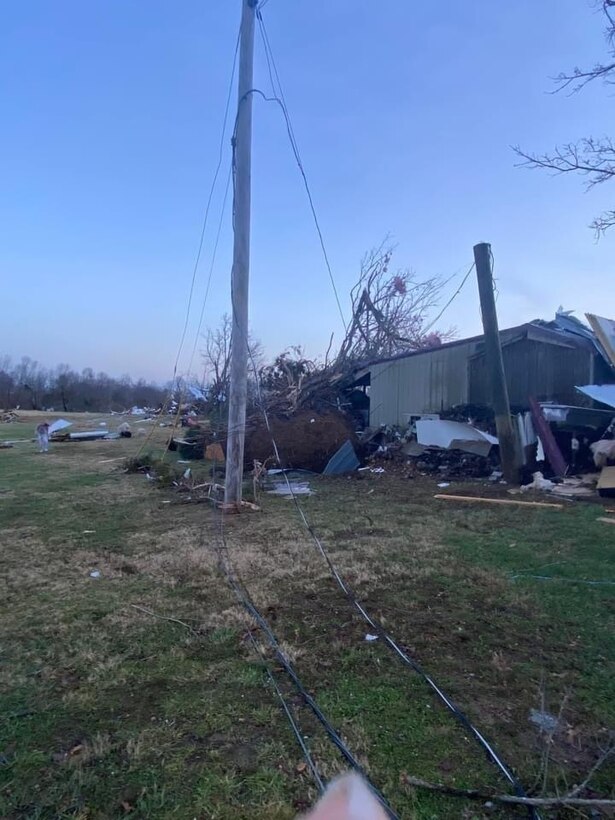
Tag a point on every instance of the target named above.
point(453, 435)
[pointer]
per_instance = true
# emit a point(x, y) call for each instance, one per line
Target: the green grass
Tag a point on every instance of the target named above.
point(109, 712)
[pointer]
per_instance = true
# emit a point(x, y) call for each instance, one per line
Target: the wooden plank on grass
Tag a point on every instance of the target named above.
point(499, 501)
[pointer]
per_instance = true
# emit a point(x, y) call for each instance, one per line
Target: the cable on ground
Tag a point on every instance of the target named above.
point(244, 599)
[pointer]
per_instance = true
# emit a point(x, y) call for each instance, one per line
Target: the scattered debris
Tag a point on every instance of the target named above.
point(605, 331)
point(606, 482)
point(88, 532)
point(603, 451)
point(369, 637)
point(448, 464)
point(552, 451)
point(606, 520)
point(59, 424)
point(546, 722)
point(290, 489)
point(5, 445)
point(413, 448)
point(443, 484)
point(539, 483)
point(88, 435)
point(95, 573)
point(527, 436)
point(453, 435)
point(344, 461)
point(9, 417)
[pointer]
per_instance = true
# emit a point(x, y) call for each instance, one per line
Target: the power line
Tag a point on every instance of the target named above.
point(208, 206)
point(395, 358)
point(278, 95)
point(403, 656)
point(174, 380)
point(211, 268)
point(451, 300)
point(244, 598)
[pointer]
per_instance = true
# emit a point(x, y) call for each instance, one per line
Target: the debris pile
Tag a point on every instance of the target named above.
point(574, 487)
point(447, 449)
point(453, 464)
point(9, 417)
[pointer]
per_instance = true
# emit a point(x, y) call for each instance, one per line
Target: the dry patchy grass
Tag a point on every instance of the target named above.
point(107, 707)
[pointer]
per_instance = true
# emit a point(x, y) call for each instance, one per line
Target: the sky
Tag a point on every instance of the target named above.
point(405, 114)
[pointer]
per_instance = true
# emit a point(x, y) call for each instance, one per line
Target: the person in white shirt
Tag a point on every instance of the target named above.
point(42, 434)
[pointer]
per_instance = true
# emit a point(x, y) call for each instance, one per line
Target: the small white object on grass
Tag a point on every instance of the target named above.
point(444, 484)
point(89, 532)
point(369, 637)
point(95, 573)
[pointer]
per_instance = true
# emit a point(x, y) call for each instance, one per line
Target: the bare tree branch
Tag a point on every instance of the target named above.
point(590, 157)
point(510, 799)
point(606, 754)
point(389, 311)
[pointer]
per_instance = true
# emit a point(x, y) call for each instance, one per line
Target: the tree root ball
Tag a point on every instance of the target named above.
point(306, 440)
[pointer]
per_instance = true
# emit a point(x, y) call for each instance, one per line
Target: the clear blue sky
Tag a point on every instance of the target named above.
point(404, 112)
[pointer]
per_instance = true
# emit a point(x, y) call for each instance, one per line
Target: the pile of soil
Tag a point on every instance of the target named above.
point(306, 440)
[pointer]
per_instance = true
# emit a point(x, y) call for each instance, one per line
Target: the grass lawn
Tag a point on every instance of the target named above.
point(109, 711)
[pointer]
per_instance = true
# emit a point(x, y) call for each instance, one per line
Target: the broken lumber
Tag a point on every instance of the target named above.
point(499, 501)
point(606, 520)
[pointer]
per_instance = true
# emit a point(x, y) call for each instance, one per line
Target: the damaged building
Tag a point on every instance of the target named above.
point(544, 359)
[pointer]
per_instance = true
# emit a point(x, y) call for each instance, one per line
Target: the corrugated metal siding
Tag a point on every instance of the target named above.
point(425, 383)
point(547, 372)
point(439, 379)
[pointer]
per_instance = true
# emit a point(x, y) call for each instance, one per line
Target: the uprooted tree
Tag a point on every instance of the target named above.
point(389, 316)
point(389, 311)
point(592, 157)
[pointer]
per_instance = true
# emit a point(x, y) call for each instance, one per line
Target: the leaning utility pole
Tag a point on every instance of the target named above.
point(242, 148)
point(495, 363)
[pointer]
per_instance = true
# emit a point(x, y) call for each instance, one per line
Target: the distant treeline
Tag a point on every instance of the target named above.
point(28, 384)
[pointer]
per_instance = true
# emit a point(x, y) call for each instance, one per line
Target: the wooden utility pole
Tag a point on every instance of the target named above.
point(240, 277)
point(495, 363)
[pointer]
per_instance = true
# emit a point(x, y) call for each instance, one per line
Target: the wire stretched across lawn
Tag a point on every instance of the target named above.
point(406, 659)
point(244, 599)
